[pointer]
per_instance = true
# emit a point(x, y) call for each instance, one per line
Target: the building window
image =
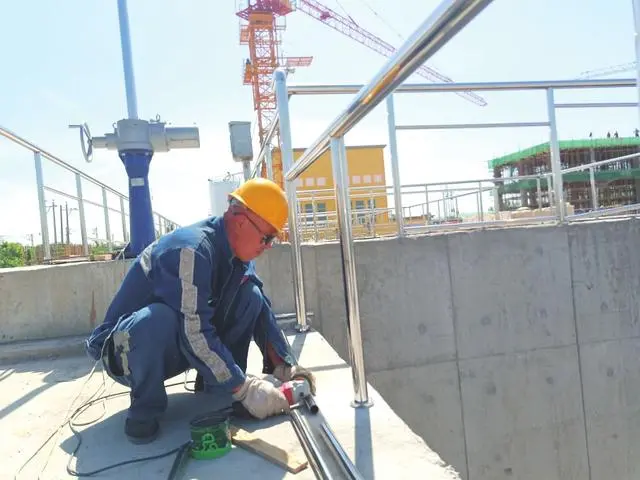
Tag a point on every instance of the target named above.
point(377, 178)
point(367, 179)
point(308, 212)
point(356, 179)
point(321, 212)
point(321, 181)
point(309, 182)
point(360, 216)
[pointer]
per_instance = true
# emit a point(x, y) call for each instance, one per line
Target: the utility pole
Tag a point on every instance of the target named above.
point(55, 233)
point(61, 226)
point(66, 206)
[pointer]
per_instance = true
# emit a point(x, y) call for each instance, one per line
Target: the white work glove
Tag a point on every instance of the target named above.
point(261, 398)
point(284, 373)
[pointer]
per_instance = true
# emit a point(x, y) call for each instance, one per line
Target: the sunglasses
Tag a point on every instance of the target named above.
point(267, 239)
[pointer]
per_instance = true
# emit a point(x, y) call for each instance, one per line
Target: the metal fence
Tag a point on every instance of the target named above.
point(57, 240)
point(448, 19)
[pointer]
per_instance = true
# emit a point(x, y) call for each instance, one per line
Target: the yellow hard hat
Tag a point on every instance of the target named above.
point(266, 199)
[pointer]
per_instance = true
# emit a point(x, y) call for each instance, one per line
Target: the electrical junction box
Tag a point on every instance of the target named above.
point(240, 137)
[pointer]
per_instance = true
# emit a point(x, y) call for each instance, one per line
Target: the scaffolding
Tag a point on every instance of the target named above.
point(616, 184)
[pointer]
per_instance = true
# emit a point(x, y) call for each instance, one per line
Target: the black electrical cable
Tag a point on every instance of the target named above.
point(180, 450)
point(78, 436)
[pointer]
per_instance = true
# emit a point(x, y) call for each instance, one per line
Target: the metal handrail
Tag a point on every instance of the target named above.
point(463, 86)
point(23, 142)
point(444, 23)
point(447, 20)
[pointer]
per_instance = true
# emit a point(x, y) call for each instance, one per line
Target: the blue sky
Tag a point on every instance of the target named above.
point(63, 65)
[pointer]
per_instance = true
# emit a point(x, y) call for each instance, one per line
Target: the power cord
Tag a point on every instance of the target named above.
point(71, 420)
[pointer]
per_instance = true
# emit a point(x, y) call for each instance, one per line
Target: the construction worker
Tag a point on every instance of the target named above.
point(192, 299)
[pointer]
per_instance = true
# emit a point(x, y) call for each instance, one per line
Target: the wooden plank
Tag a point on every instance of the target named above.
point(274, 454)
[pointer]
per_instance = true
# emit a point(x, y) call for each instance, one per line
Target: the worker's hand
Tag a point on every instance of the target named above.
point(284, 373)
point(261, 398)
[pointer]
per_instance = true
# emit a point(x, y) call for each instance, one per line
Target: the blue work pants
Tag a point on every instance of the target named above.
point(144, 349)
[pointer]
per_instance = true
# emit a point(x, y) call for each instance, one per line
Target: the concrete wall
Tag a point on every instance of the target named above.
point(513, 353)
point(56, 301)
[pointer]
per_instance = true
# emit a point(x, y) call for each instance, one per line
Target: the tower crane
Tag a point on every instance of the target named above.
point(262, 22)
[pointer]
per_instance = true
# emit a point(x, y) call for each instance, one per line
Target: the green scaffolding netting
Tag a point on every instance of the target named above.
point(564, 145)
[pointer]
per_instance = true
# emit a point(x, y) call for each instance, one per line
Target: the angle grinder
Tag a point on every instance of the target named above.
point(297, 392)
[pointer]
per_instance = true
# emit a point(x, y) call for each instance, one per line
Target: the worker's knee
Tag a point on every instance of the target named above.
point(144, 336)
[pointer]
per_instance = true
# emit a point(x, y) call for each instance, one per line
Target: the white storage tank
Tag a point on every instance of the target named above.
point(219, 191)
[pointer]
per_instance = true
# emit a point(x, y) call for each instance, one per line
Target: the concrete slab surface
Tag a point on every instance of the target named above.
point(37, 396)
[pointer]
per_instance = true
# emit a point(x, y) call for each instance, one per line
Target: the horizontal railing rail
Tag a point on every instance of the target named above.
point(164, 224)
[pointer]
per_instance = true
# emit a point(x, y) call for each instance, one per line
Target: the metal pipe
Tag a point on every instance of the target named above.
point(554, 146)
point(444, 23)
point(34, 148)
point(5, 132)
point(339, 453)
point(636, 24)
point(310, 446)
point(74, 197)
point(472, 125)
point(286, 150)
point(594, 189)
point(127, 61)
point(343, 209)
point(246, 170)
point(83, 220)
point(461, 86)
point(44, 224)
point(604, 212)
point(395, 166)
point(488, 223)
point(266, 146)
point(107, 223)
point(123, 217)
point(597, 105)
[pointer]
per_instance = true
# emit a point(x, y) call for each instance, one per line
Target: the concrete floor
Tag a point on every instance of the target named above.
point(37, 396)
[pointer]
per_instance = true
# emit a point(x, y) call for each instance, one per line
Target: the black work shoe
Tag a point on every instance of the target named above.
point(199, 385)
point(141, 431)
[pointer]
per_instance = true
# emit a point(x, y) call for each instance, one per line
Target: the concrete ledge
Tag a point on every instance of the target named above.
point(39, 349)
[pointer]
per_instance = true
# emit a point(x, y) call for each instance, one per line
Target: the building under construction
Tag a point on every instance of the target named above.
point(617, 183)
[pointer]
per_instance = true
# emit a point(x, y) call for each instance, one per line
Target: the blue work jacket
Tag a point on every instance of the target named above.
point(194, 271)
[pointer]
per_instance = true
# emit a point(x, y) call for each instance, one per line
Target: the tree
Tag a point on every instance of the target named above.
point(11, 255)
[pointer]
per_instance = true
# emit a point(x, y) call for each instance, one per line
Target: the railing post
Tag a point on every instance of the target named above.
point(286, 151)
point(107, 223)
point(594, 189)
point(343, 211)
point(426, 202)
point(539, 193)
point(554, 152)
point(83, 220)
point(44, 224)
point(636, 23)
point(123, 216)
point(395, 168)
point(480, 202)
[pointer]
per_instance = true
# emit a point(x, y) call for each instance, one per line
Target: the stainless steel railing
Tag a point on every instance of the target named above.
point(447, 20)
point(163, 223)
point(450, 17)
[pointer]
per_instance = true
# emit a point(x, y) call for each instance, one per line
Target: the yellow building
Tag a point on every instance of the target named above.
point(316, 198)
